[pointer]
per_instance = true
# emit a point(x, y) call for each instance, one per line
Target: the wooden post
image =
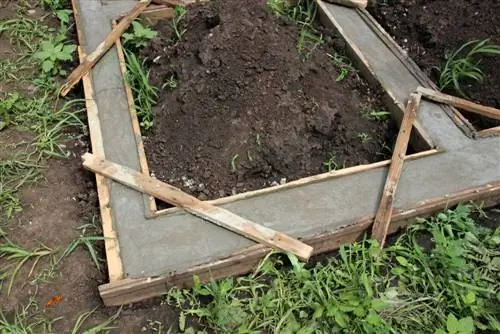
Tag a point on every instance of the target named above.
point(219, 216)
point(457, 102)
point(350, 3)
point(91, 59)
point(384, 213)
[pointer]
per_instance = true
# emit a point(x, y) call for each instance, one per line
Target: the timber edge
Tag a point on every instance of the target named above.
point(130, 290)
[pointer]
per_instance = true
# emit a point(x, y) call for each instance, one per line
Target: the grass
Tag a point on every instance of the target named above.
point(343, 64)
point(377, 115)
point(87, 241)
point(304, 15)
point(178, 21)
point(462, 64)
point(145, 94)
point(364, 137)
point(234, 163)
point(330, 164)
point(26, 319)
point(402, 288)
point(17, 257)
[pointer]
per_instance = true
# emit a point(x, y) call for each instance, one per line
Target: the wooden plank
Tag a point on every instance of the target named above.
point(150, 201)
point(111, 244)
point(219, 216)
point(171, 3)
point(91, 59)
point(383, 216)
point(157, 13)
point(489, 132)
point(132, 290)
point(459, 103)
point(361, 4)
point(308, 180)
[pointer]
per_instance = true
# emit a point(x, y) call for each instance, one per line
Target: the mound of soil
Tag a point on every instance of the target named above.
point(249, 111)
point(428, 29)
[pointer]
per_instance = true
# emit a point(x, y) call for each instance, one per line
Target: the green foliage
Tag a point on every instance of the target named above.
point(377, 115)
point(178, 22)
point(16, 256)
point(452, 287)
point(138, 37)
point(170, 83)
point(330, 164)
point(343, 64)
point(53, 54)
point(54, 5)
point(462, 64)
point(145, 94)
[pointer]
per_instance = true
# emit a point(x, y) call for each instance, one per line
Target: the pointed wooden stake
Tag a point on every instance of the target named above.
point(459, 103)
point(92, 58)
point(219, 216)
point(384, 213)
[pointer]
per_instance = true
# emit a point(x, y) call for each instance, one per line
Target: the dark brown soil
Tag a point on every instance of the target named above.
point(428, 29)
point(244, 91)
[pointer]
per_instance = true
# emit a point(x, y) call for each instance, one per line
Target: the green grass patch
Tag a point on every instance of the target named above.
point(403, 288)
point(463, 64)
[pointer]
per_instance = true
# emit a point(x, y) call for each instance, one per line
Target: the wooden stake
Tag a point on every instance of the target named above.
point(350, 3)
point(384, 213)
point(459, 103)
point(221, 217)
point(91, 59)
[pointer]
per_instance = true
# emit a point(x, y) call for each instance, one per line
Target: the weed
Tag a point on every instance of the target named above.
point(25, 33)
point(145, 94)
point(54, 5)
point(385, 150)
point(234, 161)
point(461, 64)
point(343, 64)
point(377, 115)
point(177, 21)
point(138, 37)
point(249, 156)
point(303, 14)
point(257, 139)
point(364, 137)
point(329, 164)
point(88, 242)
point(18, 256)
point(52, 55)
point(27, 320)
point(103, 327)
point(170, 83)
point(365, 289)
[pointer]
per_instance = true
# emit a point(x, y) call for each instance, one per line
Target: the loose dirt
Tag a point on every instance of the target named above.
point(428, 29)
point(249, 111)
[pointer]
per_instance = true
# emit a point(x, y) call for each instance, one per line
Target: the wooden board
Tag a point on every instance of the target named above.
point(308, 180)
point(383, 216)
point(111, 244)
point(134, 290)
point(150, 203)
point(92, 58)
point(219, 216)
point(459, 103)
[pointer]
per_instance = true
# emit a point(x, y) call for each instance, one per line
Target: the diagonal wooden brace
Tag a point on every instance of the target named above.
point(384, 213)
point(214, 214)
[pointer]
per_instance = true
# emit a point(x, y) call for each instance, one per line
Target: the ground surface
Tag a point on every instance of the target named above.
point(428, 29)
point(249, 111)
